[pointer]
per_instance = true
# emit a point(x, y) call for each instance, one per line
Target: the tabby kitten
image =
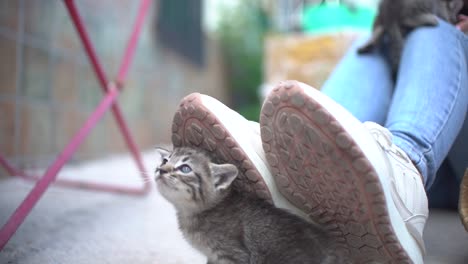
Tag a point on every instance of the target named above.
point(396, 18)
point(228, 226)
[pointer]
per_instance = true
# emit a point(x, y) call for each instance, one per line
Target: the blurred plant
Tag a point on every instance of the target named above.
point(241, 31)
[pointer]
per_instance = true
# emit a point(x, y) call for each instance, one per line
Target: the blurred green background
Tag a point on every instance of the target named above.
point(243, 26)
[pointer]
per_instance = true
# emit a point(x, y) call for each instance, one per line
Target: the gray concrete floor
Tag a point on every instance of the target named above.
point(76, 226)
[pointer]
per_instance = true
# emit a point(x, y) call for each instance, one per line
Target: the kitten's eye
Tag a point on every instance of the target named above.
point(185, 168)
point(164, 161)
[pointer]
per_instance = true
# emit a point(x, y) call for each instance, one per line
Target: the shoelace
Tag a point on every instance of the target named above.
point(384, 139)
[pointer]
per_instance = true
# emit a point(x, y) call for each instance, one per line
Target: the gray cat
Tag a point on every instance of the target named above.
point(396, 18)
point(231, 227)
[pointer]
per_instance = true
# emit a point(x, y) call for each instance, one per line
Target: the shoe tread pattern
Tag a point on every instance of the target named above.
point(319, 168)
point(196, 126)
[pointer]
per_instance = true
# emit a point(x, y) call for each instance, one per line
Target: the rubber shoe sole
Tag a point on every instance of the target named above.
point(319, 168)
point(196, 125)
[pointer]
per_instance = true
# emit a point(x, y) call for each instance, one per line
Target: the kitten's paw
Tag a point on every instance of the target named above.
point(431, 20)
point(375, 38)
point(366, 48)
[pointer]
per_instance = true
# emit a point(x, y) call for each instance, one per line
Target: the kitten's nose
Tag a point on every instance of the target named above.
point(165, 168)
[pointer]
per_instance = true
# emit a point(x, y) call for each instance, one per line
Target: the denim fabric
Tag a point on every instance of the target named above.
point(425, 108)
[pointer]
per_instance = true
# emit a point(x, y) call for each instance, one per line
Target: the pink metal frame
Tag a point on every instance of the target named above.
point(111, 90)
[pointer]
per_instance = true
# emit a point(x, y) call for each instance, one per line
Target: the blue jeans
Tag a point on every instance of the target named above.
point(425, 107)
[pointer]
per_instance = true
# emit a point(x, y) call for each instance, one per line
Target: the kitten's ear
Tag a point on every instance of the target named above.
point(223, 175)
point(162, 152)
point(456, 5)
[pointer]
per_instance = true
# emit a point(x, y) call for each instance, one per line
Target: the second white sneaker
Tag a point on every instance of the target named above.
point(345, 175)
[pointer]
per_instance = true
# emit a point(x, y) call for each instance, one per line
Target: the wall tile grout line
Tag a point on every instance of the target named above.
point(19, 79)
point(35, 102)
point(36, 43)
point(52, 59)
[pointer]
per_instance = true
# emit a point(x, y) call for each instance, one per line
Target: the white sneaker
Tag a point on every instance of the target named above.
point(408, 191)
point(344, 175)
point(204, 122)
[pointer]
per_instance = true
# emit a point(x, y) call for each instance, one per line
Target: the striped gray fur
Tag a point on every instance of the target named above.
point(231, 227)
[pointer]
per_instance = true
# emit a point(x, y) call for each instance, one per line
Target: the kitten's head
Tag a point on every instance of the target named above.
point(189, 180)
point(449, 9)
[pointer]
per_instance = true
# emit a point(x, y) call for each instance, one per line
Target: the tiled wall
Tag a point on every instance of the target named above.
point(47, 88)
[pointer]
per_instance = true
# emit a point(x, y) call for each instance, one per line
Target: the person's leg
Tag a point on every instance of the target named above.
point(431, 96)
point(352, 177)
point(362, 84)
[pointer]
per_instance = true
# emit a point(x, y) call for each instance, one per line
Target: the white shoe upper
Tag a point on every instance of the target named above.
point(407, 187)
